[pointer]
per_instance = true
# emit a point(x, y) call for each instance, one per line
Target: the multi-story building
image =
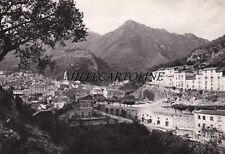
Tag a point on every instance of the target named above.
point(19, 92)
point(166, 78)
point(209, 124)
point(157, 119)
point(39, 88)
point(179, 123)
point(209, 79)
point(84, 106)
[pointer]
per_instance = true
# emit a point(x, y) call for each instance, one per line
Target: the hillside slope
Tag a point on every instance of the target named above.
point(209, 55)
point(18, 133)
point(76, 61)
point(131, 47)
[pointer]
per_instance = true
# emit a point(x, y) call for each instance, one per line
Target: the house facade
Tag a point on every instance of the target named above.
point(209, 124)
point(84, 107)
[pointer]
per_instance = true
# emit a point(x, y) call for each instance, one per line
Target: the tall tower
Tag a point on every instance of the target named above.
point(65, 77)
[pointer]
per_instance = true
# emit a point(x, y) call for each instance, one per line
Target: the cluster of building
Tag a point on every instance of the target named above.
point(203, 125)
point(40, 92)
point(43, 93)
point(49, 94)
point(208, 79)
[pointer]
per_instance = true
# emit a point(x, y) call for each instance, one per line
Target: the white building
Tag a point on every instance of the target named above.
point(99, 91)
point(210, 79)
point(209, 124)
point(157, 119)
point(167, 74)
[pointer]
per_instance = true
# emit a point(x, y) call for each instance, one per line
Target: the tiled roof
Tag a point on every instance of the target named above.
point(212, 112)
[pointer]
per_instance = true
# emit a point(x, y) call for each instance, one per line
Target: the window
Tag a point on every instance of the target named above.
point(199, 136)
point(150, 121)
point(203, 125)
point(211, 118)
point(158, 122)
point(211, 126)
point(167, 123)
point(203, 117)
point(199, 125)
point(199, 117)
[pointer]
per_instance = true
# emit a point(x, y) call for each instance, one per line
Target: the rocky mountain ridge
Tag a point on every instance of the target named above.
point(135, 46)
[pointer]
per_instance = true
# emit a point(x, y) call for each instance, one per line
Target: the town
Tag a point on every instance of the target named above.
point(95, 105)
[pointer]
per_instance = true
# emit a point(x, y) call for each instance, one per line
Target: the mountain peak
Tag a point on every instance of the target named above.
point(190, 35)
point(131, 22)
point(132, 25)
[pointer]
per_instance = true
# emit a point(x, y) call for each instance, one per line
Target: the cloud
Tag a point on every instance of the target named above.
point(205, 18)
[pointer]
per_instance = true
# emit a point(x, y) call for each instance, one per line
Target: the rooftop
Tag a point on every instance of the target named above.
point(210, 68)
point(212, 112)
point(88, 97)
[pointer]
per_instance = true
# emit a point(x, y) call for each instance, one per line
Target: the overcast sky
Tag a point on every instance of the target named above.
point(204, 18)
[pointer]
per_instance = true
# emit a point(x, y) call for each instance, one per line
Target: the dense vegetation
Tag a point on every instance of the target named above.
point(27, 27)
point(132, 139)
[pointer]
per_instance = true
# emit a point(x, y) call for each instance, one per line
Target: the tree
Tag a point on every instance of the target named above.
point(28, 27)
point(149, 95)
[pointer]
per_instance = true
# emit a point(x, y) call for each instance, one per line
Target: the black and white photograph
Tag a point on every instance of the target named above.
point(112, 76)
